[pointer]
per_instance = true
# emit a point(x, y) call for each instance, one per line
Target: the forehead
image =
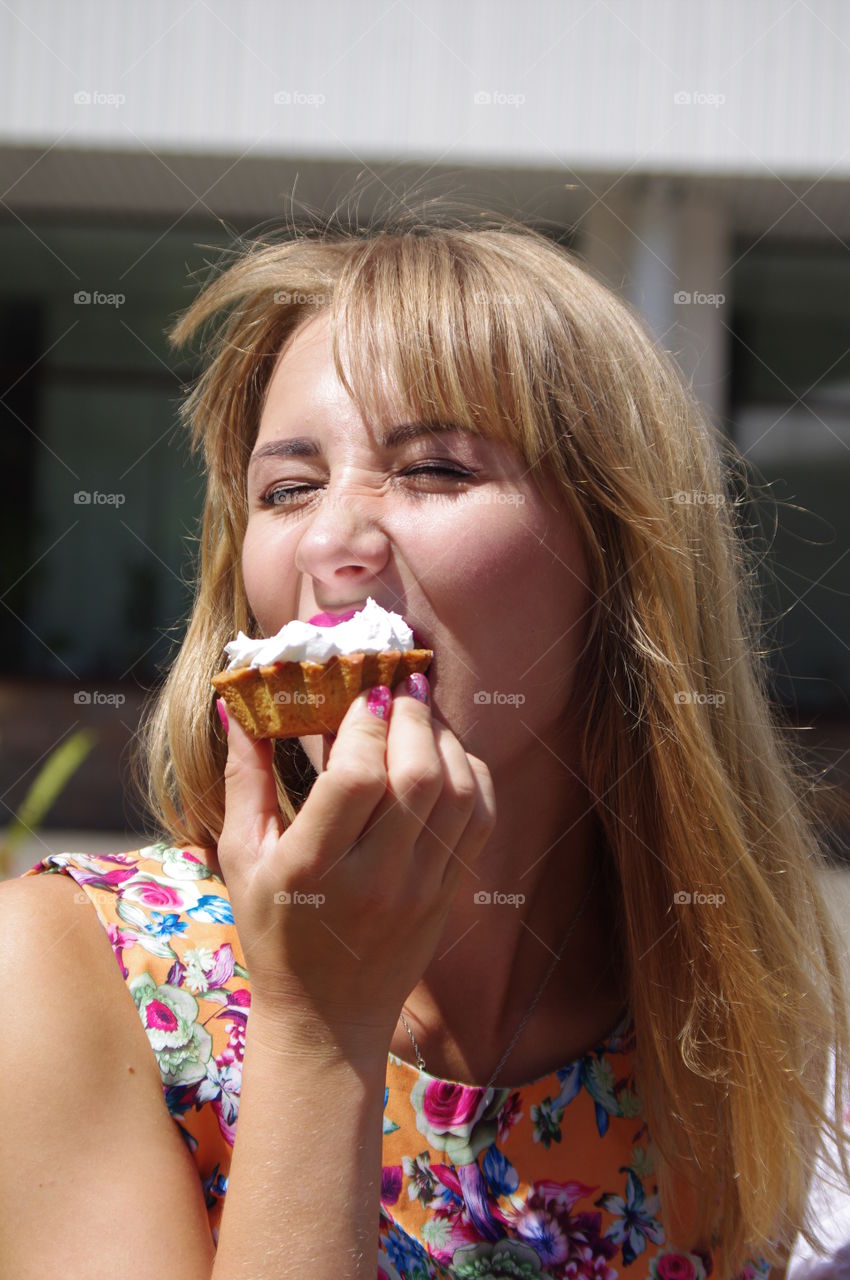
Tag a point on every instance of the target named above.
point(304, 388)
point(304, 365)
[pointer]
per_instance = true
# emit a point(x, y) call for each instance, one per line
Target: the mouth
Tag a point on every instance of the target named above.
point(334, 619)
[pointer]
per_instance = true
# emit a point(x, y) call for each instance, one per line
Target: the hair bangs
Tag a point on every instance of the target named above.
point(422, 330)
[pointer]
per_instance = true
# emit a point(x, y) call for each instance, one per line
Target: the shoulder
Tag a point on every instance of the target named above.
point(42, 919)
point(59, 968)
point(128, 887)
point(86, 1091)
point(153, 934)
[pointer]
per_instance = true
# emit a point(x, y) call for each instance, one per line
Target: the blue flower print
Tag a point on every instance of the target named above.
point(638, 1219)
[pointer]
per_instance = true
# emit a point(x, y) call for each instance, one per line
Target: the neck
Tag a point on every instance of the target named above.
point(492, 956)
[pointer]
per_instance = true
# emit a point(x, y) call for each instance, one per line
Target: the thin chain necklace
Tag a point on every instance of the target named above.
point(420, 1061)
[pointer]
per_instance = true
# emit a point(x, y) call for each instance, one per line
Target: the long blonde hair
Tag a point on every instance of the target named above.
point(494, 326)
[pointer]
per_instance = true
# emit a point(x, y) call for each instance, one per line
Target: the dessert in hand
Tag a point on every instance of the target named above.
point(304, 679)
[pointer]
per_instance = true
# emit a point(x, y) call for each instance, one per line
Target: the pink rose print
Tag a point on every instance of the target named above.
point(157, 896)
point(455, 1118)
point(446, 1105)
point(675, 1266)
point(158, 1016)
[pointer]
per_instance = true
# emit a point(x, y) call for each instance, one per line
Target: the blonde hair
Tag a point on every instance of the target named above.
point(496, 327)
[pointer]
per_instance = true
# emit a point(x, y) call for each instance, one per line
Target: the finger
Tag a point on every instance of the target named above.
point(478, 830)
point(251, 812)
point(414, 772)
point(346, 793)
point(441, 830)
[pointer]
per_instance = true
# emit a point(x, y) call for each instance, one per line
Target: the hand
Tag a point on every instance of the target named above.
point(371, 863)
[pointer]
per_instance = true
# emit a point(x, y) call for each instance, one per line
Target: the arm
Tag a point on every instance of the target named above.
point(389, 827)
point(385, 833)
point(95, 1179)
point(304, 1192)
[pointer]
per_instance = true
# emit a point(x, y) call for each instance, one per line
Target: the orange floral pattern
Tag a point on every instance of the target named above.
point(551, 1180)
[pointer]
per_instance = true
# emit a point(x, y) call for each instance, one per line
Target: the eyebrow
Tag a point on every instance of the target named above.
point(308, 447)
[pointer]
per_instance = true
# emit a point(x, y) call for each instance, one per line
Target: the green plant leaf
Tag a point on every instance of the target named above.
point(51, 779)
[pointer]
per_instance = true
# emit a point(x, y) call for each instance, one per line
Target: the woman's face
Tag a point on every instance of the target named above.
point(448, 530)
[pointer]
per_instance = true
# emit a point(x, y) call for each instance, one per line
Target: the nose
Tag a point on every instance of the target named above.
point(343, 541)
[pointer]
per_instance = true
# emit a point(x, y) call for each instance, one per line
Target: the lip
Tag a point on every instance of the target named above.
point(332, 619)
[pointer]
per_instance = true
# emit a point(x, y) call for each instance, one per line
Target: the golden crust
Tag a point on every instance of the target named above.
point(296, 699)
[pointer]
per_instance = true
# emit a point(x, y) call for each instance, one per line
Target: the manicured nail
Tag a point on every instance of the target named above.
point(416, 685)
point(221, 708)
point(379, 701)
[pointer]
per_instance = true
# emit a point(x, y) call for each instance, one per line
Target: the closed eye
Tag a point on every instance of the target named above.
point(443, 471)
point(283, 495)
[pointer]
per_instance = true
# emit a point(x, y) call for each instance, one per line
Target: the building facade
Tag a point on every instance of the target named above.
point(696, 156)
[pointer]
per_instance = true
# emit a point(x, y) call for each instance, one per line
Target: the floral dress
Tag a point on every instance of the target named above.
point(545, 1181)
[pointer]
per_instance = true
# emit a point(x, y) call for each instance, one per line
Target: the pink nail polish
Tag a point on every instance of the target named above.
point(416, 685)
point(379, 701)
point(221, 708)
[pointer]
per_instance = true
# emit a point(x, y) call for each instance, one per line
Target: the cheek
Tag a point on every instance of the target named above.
point(515, 597)
point(514, 612)
point(526, 569)
point(269, 585)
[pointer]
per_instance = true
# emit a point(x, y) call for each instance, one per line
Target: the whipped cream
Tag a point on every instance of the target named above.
point(371, 630)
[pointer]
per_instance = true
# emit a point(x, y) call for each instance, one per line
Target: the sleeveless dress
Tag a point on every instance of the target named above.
point(546, 1181)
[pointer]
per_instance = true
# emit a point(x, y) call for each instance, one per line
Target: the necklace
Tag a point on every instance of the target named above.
point(420, 1061)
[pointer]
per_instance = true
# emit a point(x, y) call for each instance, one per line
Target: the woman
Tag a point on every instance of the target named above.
point(552, 918)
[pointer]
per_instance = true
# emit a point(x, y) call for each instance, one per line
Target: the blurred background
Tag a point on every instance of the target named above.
point(696, 156)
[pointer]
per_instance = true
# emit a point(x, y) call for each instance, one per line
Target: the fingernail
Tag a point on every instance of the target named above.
point(379, 701)
point(416, 685)
point(221, 708)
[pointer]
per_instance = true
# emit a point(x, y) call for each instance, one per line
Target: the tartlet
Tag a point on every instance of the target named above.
point(295, 696)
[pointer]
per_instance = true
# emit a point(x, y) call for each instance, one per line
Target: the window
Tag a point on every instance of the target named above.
point(99, 495)
point(791, 413)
